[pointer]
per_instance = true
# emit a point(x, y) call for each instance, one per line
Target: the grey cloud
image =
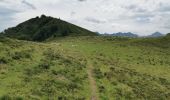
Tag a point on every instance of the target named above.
point(72, 13)
point(144, 17)
point(28, 4)
point(166, 25)
point(143, 20)
point(136, 8)
point(6, 17)
point(138, 16)
point(82, 0)
point(7, 12)
point(141, 10)
point(131, 7)
point(164, 8)
point(93, 20)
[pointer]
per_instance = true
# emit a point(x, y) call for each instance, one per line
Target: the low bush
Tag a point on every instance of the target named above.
point(44, 65)
point(21, 54)
point(7, 97)
point(3, 60)
point(98, 73)
point(50, 54)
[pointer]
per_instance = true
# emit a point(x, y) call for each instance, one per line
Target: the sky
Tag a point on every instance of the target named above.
point(142, 17)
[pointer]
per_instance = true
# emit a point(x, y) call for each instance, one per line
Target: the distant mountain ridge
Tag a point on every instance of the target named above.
point(45, 27)
point(128, 34)
point(156, 34)
point(132, 35)
point(122, 34)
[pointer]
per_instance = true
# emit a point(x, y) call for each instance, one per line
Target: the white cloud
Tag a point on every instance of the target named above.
point(139, 16)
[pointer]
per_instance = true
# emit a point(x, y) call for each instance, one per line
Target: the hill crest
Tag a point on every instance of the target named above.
point(45, 27)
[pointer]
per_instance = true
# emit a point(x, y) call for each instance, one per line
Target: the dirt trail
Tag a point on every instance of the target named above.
point(92, 81)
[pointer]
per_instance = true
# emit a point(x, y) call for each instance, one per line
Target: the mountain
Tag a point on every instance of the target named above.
point(121, 34)
point(156, 34)
point(128, 34)
point(45, 27)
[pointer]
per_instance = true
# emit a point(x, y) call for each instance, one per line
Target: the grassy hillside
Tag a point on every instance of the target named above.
point(44, 27)
point(83, 68)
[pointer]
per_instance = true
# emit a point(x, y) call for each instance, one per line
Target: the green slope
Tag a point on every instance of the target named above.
point(44, 27)
point(84, 68)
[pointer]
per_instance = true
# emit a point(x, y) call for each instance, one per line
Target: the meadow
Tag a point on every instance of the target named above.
point(85, 68)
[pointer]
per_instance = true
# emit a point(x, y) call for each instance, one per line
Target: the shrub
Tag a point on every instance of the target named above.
point(51, 55)
point(54, 72)
point(3, 60)
point(72, 87)
point(44, 66)
point(101, 89)
point(6, 97)
point(62, 98)
point(20, 55)
point(49, 87)
point(98, 73)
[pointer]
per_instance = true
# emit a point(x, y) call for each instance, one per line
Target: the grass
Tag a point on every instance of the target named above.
point(121, 69)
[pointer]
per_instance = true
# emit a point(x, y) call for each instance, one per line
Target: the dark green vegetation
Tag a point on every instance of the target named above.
point(168, 35)
point(42, 28)
point(122, 69)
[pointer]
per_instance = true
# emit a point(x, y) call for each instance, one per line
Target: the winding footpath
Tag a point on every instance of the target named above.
point(92, 81)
